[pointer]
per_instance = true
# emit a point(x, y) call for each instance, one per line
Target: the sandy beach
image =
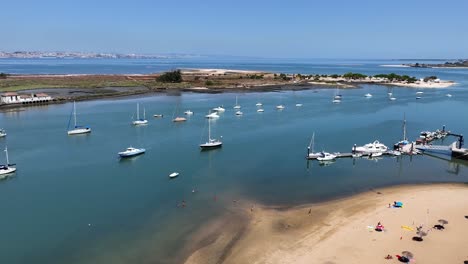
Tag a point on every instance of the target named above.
point(342, 231)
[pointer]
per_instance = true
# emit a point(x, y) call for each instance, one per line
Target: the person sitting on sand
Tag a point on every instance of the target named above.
point(379, 227)
point(388, 257)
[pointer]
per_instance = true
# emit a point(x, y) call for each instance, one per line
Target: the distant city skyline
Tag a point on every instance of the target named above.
point(297, 29)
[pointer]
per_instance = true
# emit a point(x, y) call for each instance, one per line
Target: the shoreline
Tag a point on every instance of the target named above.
point(336, 231)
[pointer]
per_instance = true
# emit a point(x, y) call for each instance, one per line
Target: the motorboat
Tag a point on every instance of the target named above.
point(280, 107)
point(374, 147)
point(325, 156)
point(375, 155)
point(211, 143)
point(219, 109)
point(213, 115)
point(298, 105)
point(130, 152)
point(2, 133)
point(158, 115)
point(368, 95)
point(418, 97)
point(336, 101)
point(239, 113)
point(419, 92)
point(259, 104)
point(393, 153)
point(448, 95)
point(138, 120)
point(392, 98)
point(76, 130)
point(7, 168)
point(173, 175)
point(261, 110)
point(188, 112)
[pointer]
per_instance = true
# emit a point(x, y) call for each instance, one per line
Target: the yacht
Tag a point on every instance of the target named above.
point(130, 152)
point(368, 95)
point(2, 133)
point(7, 168)
point(76, 130)
point(140, 121)
point(219, 109)
point(211, 143)
point(374, 147)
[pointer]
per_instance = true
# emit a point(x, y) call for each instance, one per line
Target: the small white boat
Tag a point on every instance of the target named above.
point(219, 109)
point(173, 175)
point(394, 153)
point(239, 113)
point(419, 92)
point(298, 105)
point(2, 133)
point(76, 130)
point(280, 107)
point(140, 121)
point(179, 119)
point(259, 104)
point(326, 156)
point(213, 115)
point(374, 147)
point(418, 97)
point(448, 95)
point(261, 110)
point(368, 95)
point(392, 98)
point(188, 112)
point(7, 168)
point(356, 155)
point(211, 143)
point(375, 155)
point(158, 115)
point(237, 106)
point(130, 152)
point(336, 101)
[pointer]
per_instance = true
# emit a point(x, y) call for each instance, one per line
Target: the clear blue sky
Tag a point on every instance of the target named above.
point(294, 28)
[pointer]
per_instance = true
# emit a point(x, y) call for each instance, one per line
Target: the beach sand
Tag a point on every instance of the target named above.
point(338, 232)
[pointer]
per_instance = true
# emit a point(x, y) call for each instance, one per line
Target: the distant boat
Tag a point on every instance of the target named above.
point(130, 152)
point(211, 143)
point(139, 121)
point(219, 109)
point(212, 115)
point(173, 175)
point(418, 97)
point(179, 119)
point(76, 129)
point(326, 156)
point(368, 95)
point(158, 115)
point(237, 106)
point(404, 141)
point(260, 110)
point(419, 92)
point(298, 105)
point(259, 104)
point(188, 112)
point(336, 101)
point(310, 149)
point(239, 113)
point(2, 133)
point(7, 168)
point(392, 98)
point(448, 95)
point(280, 107)
point(175, 116)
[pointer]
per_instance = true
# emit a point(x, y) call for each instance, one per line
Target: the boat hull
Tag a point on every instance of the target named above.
point(7, 170)
point(207, 146)
point(131, 154)
point(79, 131)
point(140, 122)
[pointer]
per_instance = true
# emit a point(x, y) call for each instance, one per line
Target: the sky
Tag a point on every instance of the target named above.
point(270, 29)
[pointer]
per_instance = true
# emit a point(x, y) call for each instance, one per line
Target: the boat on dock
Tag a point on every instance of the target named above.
point(325, 156)
point(374, 147)
point(310, 149)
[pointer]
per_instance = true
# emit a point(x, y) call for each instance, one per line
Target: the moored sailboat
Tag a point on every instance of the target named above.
point(76, 130)
point(211, 143)
point(7, 168)
point(139, 121)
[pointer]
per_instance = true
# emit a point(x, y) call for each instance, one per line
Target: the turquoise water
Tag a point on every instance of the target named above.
point(73, 201)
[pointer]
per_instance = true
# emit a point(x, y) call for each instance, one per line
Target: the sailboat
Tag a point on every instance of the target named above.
point(178, 118)
point(310, 150)
point(237, 106)
point(404, 141)
point(211, 143)
point(7, 168)
point(337, 97)
point(2, 133)
point(77, 129)
point(139, 121)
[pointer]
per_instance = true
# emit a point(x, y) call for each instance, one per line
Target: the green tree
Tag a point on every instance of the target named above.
point(3, 75)
point(170, 77)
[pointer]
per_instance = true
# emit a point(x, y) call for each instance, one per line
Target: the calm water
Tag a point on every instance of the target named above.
point(73, 201)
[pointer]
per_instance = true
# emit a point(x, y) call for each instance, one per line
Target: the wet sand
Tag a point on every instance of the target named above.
point(339, 231)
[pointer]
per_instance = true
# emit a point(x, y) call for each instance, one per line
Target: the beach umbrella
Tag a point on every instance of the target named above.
point(443, 222)
point(407, 254)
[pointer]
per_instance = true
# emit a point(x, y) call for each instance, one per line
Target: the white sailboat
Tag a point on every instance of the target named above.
point(219, 109)
point(211, 143)
point(237, 106)
point(76, 130)
point(7, 168)
point(213, 115)
point(139, 121)
point(310, 149)
point(239, 113)
point(368, 95)
point(259, 104)
point(177, 117)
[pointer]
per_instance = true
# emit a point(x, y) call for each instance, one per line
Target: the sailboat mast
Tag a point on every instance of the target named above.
point(209, 129)
point(6, 154)
point(138, 111)
point(144, 113)
point(404, 127)
point(74, 112)
point(313, 141)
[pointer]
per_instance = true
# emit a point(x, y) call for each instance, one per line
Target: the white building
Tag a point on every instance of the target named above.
point(15, 98)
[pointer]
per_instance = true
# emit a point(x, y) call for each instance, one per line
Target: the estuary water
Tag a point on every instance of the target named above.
point(73, 200)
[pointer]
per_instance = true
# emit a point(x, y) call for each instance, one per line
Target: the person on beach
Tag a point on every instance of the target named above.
point(379, 227)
